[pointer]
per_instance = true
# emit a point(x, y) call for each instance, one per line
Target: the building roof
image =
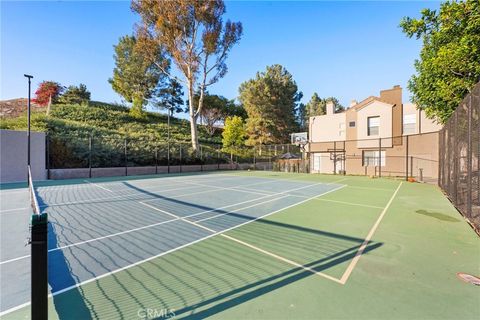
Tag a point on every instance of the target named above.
point(367, 101)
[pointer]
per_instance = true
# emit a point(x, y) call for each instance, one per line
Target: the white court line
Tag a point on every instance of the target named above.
point(351, 203)
point(154, 224)
point(125, 195)
point(359, 253)
point(15, 209)
point(328, 200)
point(135, 229)
point(368, 188)
point(222, 234)
point(97, 185)
point(136, 193)
point(167, 252)
point(296, 264)
point(10, 191)
point(114, 182)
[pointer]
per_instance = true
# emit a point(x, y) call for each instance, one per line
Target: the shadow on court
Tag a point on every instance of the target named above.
point(198, 281)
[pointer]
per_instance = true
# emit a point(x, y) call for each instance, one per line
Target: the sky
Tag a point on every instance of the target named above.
point(349, 50)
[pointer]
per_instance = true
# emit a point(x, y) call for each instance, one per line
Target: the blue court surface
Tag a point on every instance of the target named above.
point(96, 228)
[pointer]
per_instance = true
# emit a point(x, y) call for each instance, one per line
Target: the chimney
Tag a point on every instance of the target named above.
point(330, 107)
point(392, 96)
point(352, 103)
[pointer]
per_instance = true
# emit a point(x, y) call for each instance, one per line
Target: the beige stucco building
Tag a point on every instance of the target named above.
point(370, 137)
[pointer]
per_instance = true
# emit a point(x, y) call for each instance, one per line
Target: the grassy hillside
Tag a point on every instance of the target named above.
point(102, 119)
point(69, 127)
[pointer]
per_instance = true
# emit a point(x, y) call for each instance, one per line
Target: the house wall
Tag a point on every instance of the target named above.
point(422, 155)
point(423, 124)
point(376, 108)
point(327, 127)
point(394, 97)
point(351, 115)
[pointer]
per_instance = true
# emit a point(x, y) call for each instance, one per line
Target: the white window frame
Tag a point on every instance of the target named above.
point(370, 158)
point(375, 124)
point(409, 124)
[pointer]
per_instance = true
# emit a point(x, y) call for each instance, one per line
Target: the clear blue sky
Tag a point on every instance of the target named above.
point(349, 50)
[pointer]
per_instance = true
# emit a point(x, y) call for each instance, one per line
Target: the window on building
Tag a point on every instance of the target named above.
point(409, 123)
point(373, 124)
point(372, 158)
point(351, 124)
point(341, 129)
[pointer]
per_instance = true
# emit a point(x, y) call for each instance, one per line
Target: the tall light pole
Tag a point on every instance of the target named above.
point(29, 77)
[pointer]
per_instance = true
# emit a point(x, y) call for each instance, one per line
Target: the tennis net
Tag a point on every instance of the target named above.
point(33, 194)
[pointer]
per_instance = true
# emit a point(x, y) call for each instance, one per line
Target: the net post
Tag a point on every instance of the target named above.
point(406, 158)
point(90, 142)
point(39, 266)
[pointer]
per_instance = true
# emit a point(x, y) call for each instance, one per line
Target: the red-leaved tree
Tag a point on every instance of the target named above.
point(47, 93)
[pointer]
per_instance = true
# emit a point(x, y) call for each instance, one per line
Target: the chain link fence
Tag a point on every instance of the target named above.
point(73, 156)
point(413, 157)
point(459, 174)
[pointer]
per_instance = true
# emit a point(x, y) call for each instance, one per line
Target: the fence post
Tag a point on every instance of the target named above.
point(47, 148)
point(180, 157)
point(201, 158)
point(254, 157)
point(90, 142)
point(456, 157)
point(406, 158)
point(168, 157)
point(218, 157)
point(334, 157)
point(156, 159)
point(469, 156)
point(126, 158)
point(411, 166)
point(380, 157)
point(270, 158)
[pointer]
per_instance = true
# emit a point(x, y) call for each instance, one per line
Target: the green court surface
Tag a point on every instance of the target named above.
point(258, 245)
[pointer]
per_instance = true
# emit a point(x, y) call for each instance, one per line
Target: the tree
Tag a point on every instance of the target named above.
point(47, 93)
point(194, 36)
point(75, 95)
point(169, 97)
point(215, 109)
point(449, 63)
point(302, 117)
point(270, 100)
point(233, 135)
point(318, 106)
point(137, 75)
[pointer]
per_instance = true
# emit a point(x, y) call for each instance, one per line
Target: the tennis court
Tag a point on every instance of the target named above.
point(242, 245)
